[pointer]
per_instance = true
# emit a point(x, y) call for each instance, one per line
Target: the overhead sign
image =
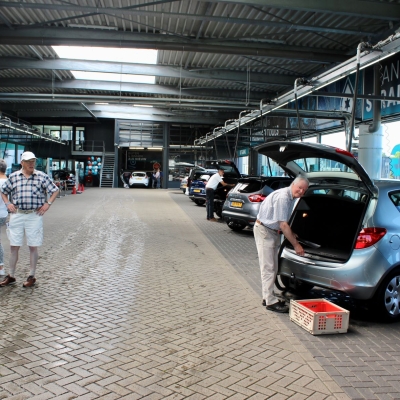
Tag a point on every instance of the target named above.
point(243, 152)
point(390, 87)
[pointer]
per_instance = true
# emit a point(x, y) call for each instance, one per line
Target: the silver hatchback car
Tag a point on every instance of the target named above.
point(351, 224)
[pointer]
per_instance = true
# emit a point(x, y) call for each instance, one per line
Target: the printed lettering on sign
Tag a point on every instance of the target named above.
point(390, 87)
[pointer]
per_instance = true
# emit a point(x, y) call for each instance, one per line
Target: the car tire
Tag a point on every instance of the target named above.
point(200, 202)
point(236, 226)
point(282, 282)
point(386, 302)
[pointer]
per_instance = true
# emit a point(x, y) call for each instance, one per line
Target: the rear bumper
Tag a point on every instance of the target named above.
point(197, 196)
point(246, 218)
point(359, 277)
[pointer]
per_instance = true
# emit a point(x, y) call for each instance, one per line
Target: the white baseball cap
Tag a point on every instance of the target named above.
point(28, 155)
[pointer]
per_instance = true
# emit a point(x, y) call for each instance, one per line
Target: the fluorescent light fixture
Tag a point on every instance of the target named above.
point(101, 103)
point(141, 105)
point(376, 60)
point(111, 54)
point(136, 148)
point(305, 94)
point(282, 105)
point(109, 28)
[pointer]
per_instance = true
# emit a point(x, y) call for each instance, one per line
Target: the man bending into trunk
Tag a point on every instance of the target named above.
point(272, 219)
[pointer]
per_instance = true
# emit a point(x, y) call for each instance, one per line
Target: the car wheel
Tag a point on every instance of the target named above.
point(387, 298)
point(282, 282)
point(199, 202)
point(236, 226)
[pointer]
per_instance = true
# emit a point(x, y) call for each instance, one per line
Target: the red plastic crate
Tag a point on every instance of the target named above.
point(319, 316)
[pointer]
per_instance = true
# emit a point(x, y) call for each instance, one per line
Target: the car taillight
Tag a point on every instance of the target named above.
point(369, 236)
point(257, 198)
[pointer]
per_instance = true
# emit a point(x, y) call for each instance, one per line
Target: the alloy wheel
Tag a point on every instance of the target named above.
point(392, 293)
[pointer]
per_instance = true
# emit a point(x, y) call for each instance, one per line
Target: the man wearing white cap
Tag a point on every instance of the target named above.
point(28, 189)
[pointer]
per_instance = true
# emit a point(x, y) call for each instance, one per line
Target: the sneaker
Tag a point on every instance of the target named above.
point(7, 281)
point(2, 272)
point(280, 307)
point(29, 282)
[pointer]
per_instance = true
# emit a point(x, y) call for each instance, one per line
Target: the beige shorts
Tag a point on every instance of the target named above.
point(30, 225)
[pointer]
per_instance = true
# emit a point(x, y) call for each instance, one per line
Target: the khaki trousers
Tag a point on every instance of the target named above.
point(267, 242)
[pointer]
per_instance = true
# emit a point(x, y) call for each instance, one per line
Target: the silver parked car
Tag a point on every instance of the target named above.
point(243, 201)
point(351, 222)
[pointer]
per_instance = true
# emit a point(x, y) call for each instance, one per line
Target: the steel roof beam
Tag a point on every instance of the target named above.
point(199, 119)
point(389, 14)
point(62, 64)
point(92, 37)
point(355, 8)
point(127, 87)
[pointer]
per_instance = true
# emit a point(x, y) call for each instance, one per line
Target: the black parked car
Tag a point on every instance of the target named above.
point(197, 187)
point(243, 202)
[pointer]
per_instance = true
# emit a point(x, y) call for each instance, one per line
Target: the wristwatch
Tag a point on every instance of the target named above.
point(49, 203)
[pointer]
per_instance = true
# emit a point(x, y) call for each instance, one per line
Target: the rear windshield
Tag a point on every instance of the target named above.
point(198, 175)
point(248, 187)
point(395, 197)
point(345, 193)
point(320, 165)
point(140, 174)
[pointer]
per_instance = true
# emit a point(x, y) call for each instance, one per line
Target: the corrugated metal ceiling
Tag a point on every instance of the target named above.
point(287, 39)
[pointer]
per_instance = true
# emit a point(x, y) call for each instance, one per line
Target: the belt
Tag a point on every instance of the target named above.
point(273, 230)
point(19, 211)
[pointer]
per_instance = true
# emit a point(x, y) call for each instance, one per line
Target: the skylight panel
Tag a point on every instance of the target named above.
point(141, 56)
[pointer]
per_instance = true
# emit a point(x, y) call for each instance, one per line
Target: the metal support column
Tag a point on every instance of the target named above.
point(165, 165)
point(116, 153)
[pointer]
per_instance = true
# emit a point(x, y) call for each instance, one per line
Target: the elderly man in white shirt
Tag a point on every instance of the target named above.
point(272, 220)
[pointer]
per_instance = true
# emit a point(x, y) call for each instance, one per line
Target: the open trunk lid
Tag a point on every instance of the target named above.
point(319, 163)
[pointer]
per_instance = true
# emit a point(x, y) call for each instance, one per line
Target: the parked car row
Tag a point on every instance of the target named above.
point(354, 220)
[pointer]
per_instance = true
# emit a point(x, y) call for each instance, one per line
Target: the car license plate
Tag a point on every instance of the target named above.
point(236, 204)
point(196, 190)
point(139, 179)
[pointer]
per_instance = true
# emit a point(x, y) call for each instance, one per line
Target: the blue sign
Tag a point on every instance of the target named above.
point(243, 152)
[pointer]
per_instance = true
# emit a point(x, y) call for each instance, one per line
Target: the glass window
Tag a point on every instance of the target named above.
point(320, 164)
point(245, 165)
point(337, 139)
point(79, 138)
point(7, 152)
point(39, 128)
point(271, 168)
point(395, 197)
point(66, 132)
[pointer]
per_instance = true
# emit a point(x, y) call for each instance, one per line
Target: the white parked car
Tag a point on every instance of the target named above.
point(139, 178)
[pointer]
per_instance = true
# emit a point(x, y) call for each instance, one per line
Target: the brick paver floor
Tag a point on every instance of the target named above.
point(363, 362)
point(134, 301)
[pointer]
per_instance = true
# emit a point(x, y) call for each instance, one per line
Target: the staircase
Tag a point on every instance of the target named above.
point(107, 170)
